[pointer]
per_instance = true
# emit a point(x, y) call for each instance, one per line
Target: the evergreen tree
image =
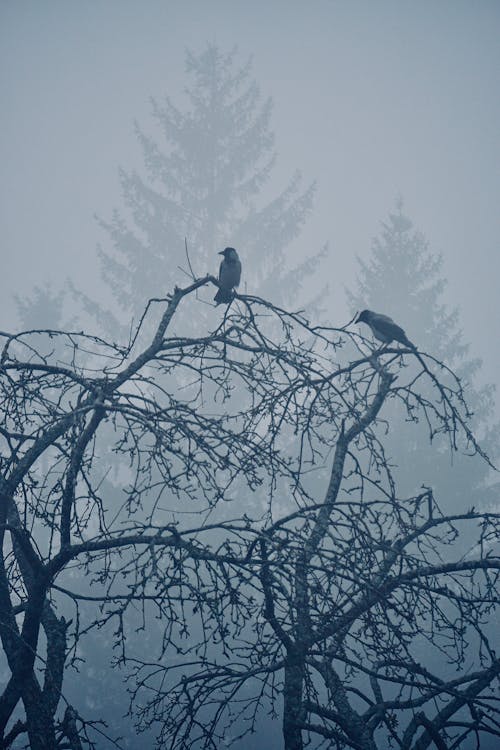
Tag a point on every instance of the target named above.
point(202, 183)
point(43, 309)
point(404, 279)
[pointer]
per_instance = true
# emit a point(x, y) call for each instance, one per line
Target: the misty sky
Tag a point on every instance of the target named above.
point(373, 100)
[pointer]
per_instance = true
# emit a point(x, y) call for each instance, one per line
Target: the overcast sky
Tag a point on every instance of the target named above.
point(373, 100)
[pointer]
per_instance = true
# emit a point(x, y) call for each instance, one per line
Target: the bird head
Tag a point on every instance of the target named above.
point(363, 317)
point(229, 253)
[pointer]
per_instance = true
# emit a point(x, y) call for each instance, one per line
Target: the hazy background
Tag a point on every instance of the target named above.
point(372, 99)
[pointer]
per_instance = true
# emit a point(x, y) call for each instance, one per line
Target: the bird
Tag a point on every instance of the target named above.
point(384, 328)
point(229, 275)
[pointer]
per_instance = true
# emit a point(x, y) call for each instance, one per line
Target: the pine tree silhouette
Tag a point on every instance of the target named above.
point(202, 183)
point(404, 279)
point(43, 309)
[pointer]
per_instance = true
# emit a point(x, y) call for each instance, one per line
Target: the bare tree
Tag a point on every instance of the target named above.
point(258, 531)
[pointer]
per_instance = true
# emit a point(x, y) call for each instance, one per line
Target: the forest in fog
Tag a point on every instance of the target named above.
point(269, 519)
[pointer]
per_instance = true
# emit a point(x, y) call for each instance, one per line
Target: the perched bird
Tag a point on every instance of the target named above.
point(229, 275)
point(384, 328)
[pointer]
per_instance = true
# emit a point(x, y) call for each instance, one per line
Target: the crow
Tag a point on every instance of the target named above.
point(384, 328)
point(229, 275)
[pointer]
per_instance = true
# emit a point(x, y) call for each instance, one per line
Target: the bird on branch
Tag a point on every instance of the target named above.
point(229, 275)
point(384, 328)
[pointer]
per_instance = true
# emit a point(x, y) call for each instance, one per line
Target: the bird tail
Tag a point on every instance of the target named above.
point(223, 296)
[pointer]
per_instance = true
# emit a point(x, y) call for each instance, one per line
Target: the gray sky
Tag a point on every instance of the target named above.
point(372, 99)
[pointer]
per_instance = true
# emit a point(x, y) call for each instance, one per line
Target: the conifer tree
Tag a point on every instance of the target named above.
point(202, 182)
point(404, 279)
point(43, 309)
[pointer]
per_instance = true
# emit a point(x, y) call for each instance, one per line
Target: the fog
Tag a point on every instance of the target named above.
point(380, 104)
point(371, 100)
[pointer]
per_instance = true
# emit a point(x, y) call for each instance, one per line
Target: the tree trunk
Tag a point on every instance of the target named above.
point(293, 711)
point(39, 719)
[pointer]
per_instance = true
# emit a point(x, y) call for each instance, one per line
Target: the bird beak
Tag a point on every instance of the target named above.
point(357, 319)
point(221, 252)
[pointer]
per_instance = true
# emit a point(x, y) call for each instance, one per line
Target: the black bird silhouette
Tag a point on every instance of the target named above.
point(229, 275)
point(384, 328)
